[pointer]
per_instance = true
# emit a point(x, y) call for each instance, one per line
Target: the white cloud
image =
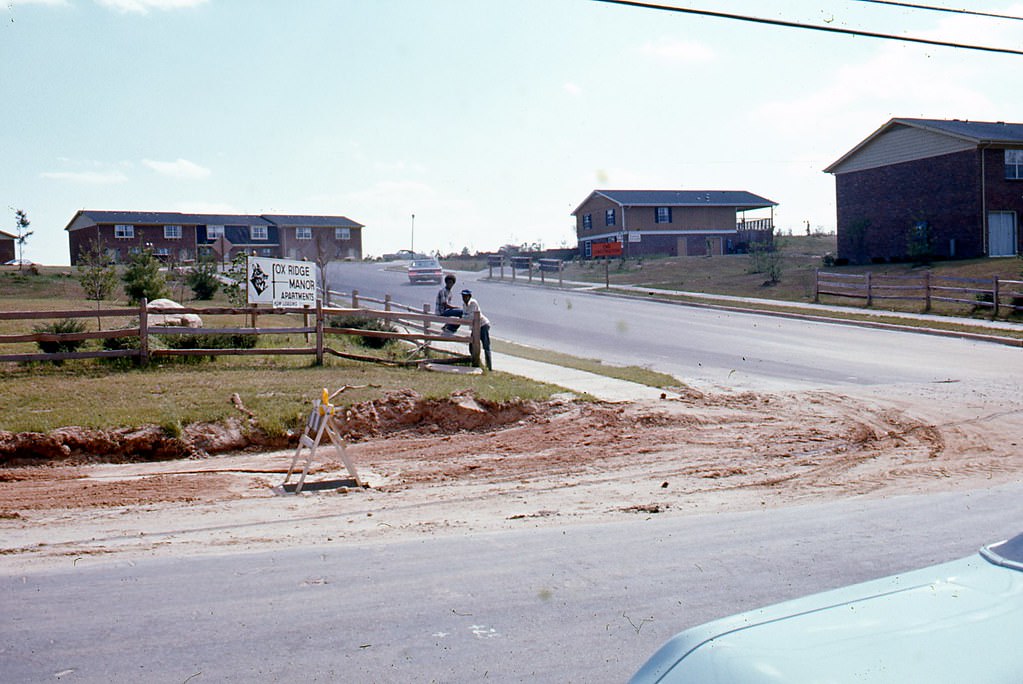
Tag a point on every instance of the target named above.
point(52, 3)
point(681, 51)
point(573, 89)
point(86, 177)
point(182, 168)
point(143, 6)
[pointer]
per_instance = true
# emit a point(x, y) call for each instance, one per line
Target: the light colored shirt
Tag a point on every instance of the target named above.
point(443, 301)
point(470, 308)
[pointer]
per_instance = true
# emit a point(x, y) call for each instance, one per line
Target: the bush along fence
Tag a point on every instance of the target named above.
point(993, 293)
point(60, 341)
point(543, 267)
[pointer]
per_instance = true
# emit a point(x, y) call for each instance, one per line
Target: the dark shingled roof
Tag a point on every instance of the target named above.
point(299, 220)
point(174, 217)
point(977, 131)
point(740, 199)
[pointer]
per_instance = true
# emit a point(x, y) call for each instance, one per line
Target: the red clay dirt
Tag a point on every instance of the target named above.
point(465, 464)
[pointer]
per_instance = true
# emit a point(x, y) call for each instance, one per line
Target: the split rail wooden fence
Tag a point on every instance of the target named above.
point(997, 294)
point(419, 329)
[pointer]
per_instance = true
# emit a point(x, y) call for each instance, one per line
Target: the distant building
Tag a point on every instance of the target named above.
point(673, 222)
point(951, 188)
point(184, 237)
point(7, 244)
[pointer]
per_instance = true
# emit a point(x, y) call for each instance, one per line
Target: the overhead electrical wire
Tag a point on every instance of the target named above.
point(811, 27)
point(951, 10)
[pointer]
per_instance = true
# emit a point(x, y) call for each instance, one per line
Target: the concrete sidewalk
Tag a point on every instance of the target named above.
point(599, 386)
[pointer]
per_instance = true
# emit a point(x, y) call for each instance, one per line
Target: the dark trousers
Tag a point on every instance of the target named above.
point(454, 313)
point(485, 343)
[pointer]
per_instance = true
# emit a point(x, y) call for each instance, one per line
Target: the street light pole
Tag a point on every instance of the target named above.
point(413, 236)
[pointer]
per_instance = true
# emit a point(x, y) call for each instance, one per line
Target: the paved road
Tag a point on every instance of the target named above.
point(574, 604)
point(708, 347)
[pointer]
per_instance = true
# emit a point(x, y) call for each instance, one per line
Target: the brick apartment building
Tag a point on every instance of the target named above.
point(954, 186)
point(184, 237)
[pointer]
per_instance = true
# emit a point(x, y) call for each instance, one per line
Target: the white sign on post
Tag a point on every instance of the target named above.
point(281, 283)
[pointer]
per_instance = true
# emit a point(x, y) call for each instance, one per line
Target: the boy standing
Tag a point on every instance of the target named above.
point(470, 307)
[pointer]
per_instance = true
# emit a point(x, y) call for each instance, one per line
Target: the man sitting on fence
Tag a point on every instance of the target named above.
point(444, 307)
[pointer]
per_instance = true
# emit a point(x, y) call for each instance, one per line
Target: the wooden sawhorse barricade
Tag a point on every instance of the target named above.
point(321, 422)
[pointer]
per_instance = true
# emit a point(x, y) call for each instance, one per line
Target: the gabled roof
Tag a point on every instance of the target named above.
point(976, 133)
point(174, 217)
point(737, 199)
point(314, 221)
point(4, 235)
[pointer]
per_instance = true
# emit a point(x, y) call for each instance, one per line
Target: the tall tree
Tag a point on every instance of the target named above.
point(22, 235)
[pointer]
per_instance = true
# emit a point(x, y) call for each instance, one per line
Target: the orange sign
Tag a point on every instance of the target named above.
point(606, 249)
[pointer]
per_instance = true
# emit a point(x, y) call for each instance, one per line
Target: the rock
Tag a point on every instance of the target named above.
point(187, 320)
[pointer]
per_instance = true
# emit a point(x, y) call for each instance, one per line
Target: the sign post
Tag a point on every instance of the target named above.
point(606, 250)
point(282, 283)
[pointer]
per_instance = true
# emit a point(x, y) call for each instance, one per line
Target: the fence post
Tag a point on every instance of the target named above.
point(870, 293)
point(816, 285)
point(426, 326)
point(994, 296)
point(530, 270)
point(144, 332)
point(355, 299)
point(543, 280)
point(927, 290)
point(502, 267)
point(387, 302)
point(319, 333)
point(561, 271)
point(474, 340)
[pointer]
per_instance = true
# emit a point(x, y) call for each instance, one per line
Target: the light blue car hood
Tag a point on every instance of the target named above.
point(957, 622)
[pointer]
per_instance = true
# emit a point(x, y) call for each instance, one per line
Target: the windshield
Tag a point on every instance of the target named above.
point(425, 264)
point(1008, 553)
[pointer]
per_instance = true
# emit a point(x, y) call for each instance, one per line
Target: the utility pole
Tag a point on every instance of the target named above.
point(413, 236)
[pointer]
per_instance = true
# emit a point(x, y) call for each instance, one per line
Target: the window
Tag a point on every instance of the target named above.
point(124, 231)
point(163, 252)
point(1014, 164)
point(172, 232)
point(663, 215)
point(304, 233)
point(214, 232)
point(342, 234)
point(587, 222)
point(259, 232)
point(609, 217)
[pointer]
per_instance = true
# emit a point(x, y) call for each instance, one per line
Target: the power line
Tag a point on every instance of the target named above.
point(811, 27)
point(944, 9)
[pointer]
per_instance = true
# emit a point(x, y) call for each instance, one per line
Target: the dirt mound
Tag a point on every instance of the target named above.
point(407, 410)
point(398, 411)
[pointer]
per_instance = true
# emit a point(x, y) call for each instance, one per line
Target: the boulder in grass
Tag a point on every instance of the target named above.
point(185, 320)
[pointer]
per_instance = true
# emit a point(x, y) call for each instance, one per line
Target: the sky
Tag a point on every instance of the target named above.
point(488, 121)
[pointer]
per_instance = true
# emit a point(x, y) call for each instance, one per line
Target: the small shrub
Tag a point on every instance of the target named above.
point(202, 278)
point(143, 279)
point(359, 323)
point(209, 341)
point(63, 327)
